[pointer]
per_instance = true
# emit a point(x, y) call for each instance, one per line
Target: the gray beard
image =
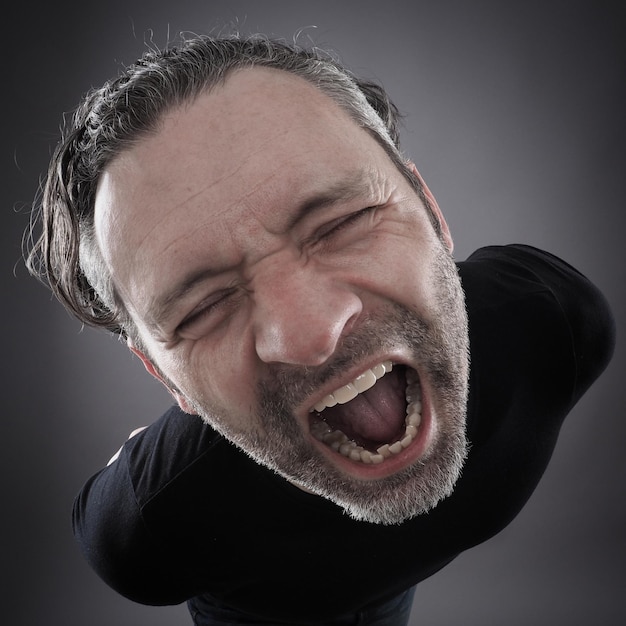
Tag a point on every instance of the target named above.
point(441, 349)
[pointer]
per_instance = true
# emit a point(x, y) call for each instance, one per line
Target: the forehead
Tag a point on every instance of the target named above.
point(230, 165)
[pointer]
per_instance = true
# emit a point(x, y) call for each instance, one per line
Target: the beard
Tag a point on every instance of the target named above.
point(440, 348)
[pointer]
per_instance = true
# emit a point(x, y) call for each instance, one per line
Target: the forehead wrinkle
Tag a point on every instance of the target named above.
point(175, 208)
point(357, 183)
point(224, 179)
point(328, 107)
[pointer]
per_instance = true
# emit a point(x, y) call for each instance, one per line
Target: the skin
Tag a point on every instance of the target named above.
point(252, 237)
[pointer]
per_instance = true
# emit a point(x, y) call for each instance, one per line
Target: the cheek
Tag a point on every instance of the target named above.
point(400, 268)
point(221, 373)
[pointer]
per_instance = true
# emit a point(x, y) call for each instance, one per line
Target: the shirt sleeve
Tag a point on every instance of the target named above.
point(109, 519)
point(589, 319)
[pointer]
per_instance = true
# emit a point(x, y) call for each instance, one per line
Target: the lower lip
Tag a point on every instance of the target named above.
point(417, 449)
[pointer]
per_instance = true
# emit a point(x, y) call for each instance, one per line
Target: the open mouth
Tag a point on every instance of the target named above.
point(374, 417)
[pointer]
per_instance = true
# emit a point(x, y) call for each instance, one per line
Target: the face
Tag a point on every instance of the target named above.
point(289, 287)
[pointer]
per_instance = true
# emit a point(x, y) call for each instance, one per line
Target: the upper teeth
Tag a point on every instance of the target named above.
point(342, 444)
point(348, 392)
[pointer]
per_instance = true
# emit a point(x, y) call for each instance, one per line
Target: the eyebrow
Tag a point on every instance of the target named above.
point(349, 189)
point(161, 307)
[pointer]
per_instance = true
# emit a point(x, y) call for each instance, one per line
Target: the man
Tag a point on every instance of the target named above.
point(241, 213)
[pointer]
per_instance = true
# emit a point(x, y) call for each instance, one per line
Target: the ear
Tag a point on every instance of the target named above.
point(180, 399)
point(434, 207)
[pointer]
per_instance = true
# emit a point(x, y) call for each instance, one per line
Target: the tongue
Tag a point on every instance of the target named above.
point(376, 415)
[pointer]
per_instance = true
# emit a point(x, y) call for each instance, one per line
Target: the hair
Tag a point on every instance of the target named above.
point(111, 119)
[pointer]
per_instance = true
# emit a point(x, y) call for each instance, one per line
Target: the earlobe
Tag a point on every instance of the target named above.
point(180, 399)
point(434, 207)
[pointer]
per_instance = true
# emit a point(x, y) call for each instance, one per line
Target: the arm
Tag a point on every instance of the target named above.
point(132, 434)
point(113, 519)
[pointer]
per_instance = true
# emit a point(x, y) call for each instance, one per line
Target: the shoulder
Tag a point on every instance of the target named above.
point(540, 305)
point(516, 271)
point(166, 451)
point(116, 515)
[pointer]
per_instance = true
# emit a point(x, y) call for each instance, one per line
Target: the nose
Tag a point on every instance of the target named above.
point(301, 312)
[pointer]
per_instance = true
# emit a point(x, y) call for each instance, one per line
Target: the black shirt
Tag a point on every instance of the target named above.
point(183, 512)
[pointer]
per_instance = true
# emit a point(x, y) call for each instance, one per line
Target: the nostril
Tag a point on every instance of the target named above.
point(351, 321)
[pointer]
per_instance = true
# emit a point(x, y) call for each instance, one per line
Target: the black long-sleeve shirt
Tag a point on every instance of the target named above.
point(183, 512)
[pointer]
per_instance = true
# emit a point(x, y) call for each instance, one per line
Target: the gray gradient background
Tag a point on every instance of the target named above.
point(514, 115)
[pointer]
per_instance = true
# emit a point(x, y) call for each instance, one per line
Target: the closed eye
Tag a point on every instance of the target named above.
point(209, 308)
point(336, 226)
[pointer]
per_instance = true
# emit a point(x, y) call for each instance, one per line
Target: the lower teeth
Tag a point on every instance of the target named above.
point(339, 441)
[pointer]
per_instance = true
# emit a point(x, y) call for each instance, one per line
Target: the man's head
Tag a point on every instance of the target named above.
point(131, 106)
point(253, 229)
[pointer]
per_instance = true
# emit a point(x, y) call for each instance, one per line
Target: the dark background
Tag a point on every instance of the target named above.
point(515, 117)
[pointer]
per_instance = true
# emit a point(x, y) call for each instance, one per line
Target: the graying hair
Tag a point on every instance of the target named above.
point(111, 119)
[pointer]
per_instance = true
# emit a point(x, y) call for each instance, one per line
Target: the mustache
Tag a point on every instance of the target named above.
point(287, 386)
